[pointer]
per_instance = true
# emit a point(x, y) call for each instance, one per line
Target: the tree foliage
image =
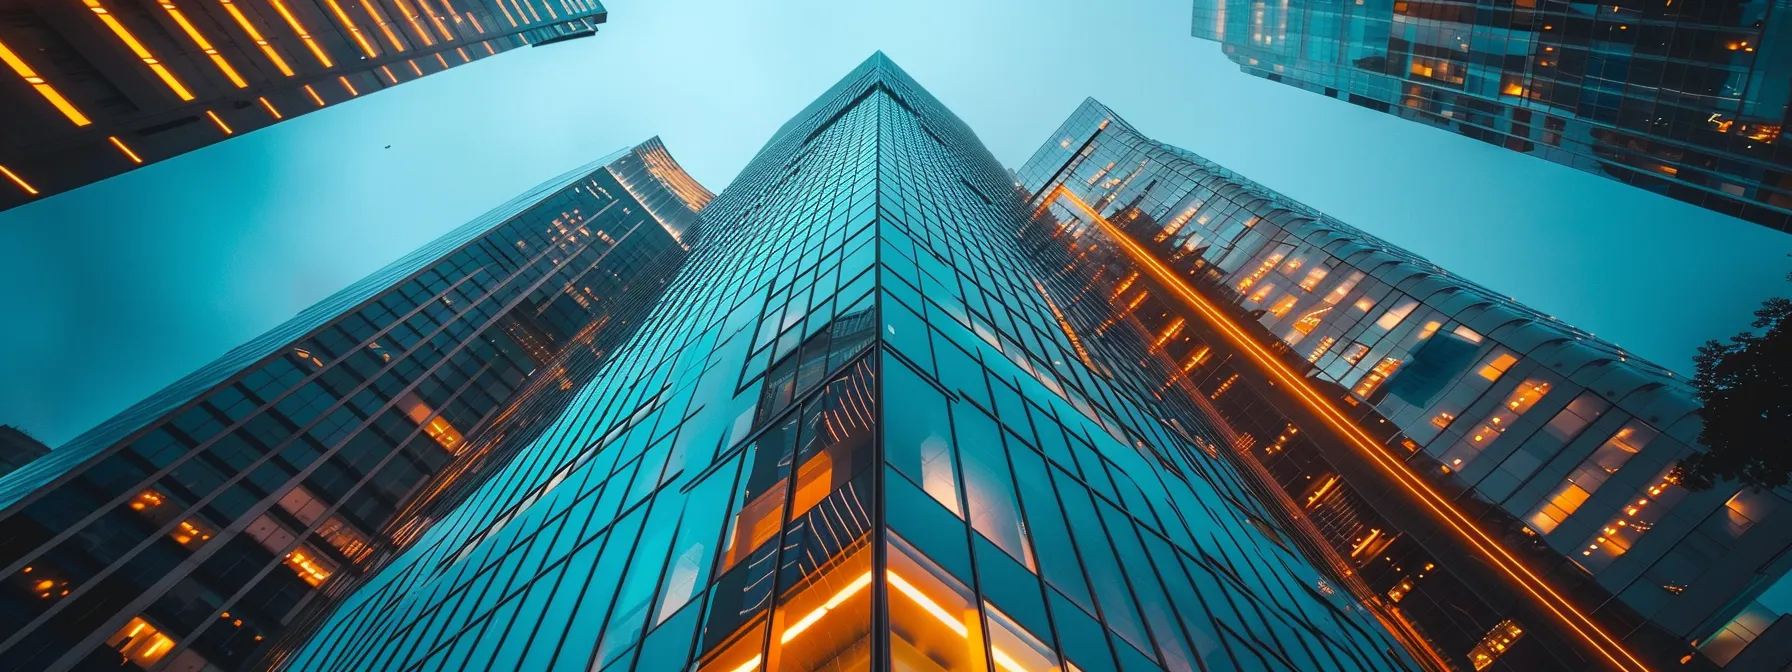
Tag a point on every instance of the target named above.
point(1746, 388)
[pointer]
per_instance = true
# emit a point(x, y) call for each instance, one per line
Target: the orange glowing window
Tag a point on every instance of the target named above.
point(130, 41)
point(1283, 305)
point(255, 35)
point(192, 533)
point(1375, 376)
point(1497, 641)
point(311, 567)
point(140, 643)
point(43, 88)
point(933, 616)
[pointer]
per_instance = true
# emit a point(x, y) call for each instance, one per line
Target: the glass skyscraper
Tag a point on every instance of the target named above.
point(878, 421)
point(94, 88)
point(191, 530)
point(1375, 386)
point(1683, 98)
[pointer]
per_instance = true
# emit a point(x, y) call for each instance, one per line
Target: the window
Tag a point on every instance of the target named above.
point(933, 620)
point(1592, 473)
point(310, 565)
point(141, 643)
point(1637, 517)
point(1375, 376)
point(436, 427)
point(1497, 641)
point(1501, 418)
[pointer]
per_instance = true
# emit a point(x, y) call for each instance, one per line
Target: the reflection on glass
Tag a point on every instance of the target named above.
point(933, 616)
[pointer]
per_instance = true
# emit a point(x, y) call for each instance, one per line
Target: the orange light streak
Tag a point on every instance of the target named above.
point(353, 30)
point(256, 35)
point(346, 85)
point(389, 74)
point(127, 151)
point(506, 10)
point(410, 15)
point(1576, 620)
point(436, 19)
point(220, 122)
point(379, 19)
point(43, 88)
point(314, 96)
point(204, 45)
point(316, 49)
point(19, 181)
point(137, 48)
point(270, 106)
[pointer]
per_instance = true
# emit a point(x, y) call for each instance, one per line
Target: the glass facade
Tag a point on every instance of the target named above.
point(94, 88)
point(190, 531)
point(878, 421)
point(1306, 334)
point(1685, 99)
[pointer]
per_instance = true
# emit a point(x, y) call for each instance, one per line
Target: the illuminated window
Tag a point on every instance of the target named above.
point(347, 540)
point(436, 427)
point(1364, 304)
point(192, 533)
point(1283, 305)
point(1521, 399)
point(1375, 376)
point(311, 567)
point(1395, 315)
point(1589, 475)
point(1355, 353)
point(1638, 515)
point(141, 643)
point(1314, 277)
point(1497, 367)
point(1262, 293)
point(1443, 420)
point(1325, 344)
point(1497, 642)
point(933, 618)
point(824, 623)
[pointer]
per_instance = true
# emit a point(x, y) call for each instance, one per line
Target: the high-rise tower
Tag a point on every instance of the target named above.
point(189, 531)
point(94, 88)
point(1504, 478)
point(1681, 97)
point(877, 422)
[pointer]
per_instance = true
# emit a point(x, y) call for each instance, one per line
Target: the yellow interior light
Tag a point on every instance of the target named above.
point(303, 34)
point(130, 41)
point(254, 34)
point(204, 45)
point(43, 88)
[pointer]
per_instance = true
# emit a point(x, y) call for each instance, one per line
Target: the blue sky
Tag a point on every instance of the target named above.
point(119, 288)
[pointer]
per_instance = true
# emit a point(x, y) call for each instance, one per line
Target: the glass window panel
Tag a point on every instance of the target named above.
point(934, 621)
point(988, 487)
point(921, 445)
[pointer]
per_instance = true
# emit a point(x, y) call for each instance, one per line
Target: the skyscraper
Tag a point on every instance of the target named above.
point(187, 532)
point(877, 422)
point(93, 88)
point(1685, 99)
point(1466, 452)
